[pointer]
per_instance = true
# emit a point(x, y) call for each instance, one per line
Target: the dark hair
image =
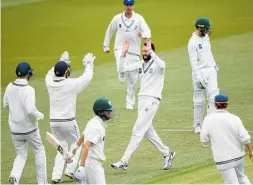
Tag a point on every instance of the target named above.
point(220, 105)
point(152, 46)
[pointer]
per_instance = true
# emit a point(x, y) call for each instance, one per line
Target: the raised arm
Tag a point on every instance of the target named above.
point(109, 33)
point(123, 67)
point(83, 81)
point(30, 106)
point(49, 76)
point(148, 49)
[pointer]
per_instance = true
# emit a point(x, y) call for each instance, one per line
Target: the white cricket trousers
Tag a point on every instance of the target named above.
point(21, 142)
point(147, 108)
point(67, 134)
point(95, 173)
point(199, 95)
point(132, 76)
point(233, 173)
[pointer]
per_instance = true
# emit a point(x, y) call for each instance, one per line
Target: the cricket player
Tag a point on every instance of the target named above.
point(19, 98)
point(151, 70)
point(227, 136)
point(204, 71)
point(63, 93)
point(91, 169)
point(132, 27)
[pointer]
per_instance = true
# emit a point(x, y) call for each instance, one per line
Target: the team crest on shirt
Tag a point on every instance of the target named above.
point(150, 70)
point(140, 70)
point(200, 46)
point(136, 27)
point(119, 25)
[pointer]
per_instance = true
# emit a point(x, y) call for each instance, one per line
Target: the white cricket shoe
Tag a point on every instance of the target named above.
point(12, 180)
point(197, 130)
point(168, 160)
point(121, 77)
point(120, 165)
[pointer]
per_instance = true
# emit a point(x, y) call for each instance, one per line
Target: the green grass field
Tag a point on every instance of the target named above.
point(39, 33)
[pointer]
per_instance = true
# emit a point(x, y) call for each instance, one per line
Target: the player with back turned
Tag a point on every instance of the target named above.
point(63, 93)
point(227, 136)
point(19, 98)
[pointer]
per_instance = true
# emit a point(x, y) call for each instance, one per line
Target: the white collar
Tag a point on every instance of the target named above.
point(56, 78)
point(125, 18)
point(21, 81)
point(195, 34)
point(100, 120)
point(221, 110)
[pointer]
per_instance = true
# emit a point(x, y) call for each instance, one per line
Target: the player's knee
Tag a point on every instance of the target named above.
point(199, 98)
point(199, 102)
point(22, 156)
point(138, 131)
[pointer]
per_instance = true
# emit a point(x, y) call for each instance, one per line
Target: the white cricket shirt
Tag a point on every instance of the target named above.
point(226, 134)
point(63, 93)
point(151, 75)
point(19, 98)
point(127, 29)
point(95, 133)
point(200, 54)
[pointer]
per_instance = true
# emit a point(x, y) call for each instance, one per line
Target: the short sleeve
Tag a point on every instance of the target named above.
point(93, 136)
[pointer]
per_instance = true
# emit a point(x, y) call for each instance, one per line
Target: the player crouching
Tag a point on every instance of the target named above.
point(91, 169)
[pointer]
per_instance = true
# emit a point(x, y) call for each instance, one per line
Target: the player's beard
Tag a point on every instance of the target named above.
point(146, 58)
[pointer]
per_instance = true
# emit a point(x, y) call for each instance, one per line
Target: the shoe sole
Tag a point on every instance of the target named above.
point(56, 181)
point(69, 176)
point(116, 168)
point(12, 180)
point(171, 161)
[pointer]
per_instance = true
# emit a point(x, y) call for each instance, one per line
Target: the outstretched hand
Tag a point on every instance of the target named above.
point(147, 48)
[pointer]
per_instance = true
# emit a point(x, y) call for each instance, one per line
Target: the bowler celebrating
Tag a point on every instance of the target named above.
point(151, 70)
point(132, 27)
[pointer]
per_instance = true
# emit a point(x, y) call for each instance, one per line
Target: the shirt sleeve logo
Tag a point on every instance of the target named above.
point(119, 25)
point(200, 46)
point(140, 70)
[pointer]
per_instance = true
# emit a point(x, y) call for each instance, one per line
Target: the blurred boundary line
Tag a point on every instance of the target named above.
point(184, 130)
